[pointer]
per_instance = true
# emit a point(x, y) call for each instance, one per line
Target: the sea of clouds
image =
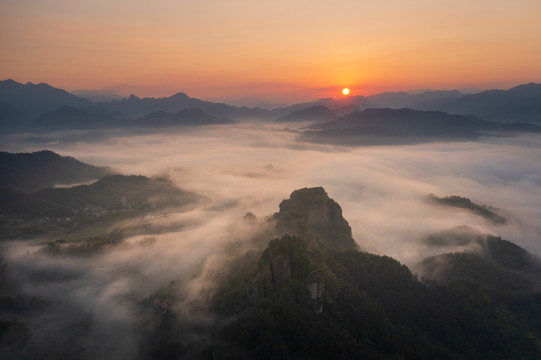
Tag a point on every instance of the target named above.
point(251, 167)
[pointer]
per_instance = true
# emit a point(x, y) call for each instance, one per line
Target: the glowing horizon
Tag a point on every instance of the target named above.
point(278, 52)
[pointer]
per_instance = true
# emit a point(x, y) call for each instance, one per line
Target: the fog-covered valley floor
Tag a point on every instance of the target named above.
point(252, 167)
point(381, 189)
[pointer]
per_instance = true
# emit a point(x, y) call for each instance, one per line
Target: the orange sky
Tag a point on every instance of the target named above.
point(283, 51)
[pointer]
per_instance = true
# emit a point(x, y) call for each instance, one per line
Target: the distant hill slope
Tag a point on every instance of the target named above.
point(314, 113)
point(20, 104)
point(189, 117)
point(339, 107)
point(403, 126)
point(138, 107)
point(32, 100)
point(31, 171)
point(71, 118)
point(111, 193)
point(10, 117)
point(117, 192)
point(519, 104)
point(427, 100)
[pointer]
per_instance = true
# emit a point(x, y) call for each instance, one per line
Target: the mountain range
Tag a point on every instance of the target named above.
point(30, 106)
point(189, 117)
point(26, 101)
point(519, 104)
point(137, 107)
point(313, 113)
point(406, 126)
point(427, 100)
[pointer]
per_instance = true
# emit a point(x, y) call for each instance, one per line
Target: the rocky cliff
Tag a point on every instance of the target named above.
point(311, 214)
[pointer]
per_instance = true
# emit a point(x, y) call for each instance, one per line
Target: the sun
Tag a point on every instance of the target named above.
point(345, 91)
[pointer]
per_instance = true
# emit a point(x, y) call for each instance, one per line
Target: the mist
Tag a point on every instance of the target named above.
point(251, 167)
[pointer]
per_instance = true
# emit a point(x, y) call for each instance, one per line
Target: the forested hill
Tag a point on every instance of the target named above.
point(301, 298)
point(307, 293)
point(42, 169)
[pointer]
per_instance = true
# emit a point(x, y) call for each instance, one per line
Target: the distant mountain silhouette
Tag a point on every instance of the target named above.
point(338, 106)
point(427, 100)
point(69, 118)
point(343, 106)
point(31, 171)
point(404, 126)
point(314, 113)
point(41, 106)
point(519, 104)
point(188, 117)
point(137, 107)
point(44, 107)
point(35, 99)
point(10, 118)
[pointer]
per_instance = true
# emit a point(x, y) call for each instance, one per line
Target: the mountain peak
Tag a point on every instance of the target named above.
point(311, 213)
point(10, 82)
point(532, 89)
point(180, 95)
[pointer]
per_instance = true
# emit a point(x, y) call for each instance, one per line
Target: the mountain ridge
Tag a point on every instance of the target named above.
point(406, 126)
point(45, 168)
point(187, 117)
point(520, 103)
point(298, 298)
point(35, 99)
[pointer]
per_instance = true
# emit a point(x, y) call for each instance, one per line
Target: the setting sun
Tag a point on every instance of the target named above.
point(345, 91)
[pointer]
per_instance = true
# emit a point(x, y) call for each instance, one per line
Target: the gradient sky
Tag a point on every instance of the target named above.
point(281, 51)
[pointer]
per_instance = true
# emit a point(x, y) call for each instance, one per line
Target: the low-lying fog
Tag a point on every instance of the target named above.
point(252, 167)
point(381, 188)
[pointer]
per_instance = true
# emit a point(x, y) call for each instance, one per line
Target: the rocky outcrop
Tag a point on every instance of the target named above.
point(280, 268)
point(255, 290)
point(315, 284)
point(290, 266)
point(311, 214)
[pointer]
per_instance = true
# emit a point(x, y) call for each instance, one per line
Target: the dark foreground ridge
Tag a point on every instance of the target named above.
point(308, 294)
point(305, 297)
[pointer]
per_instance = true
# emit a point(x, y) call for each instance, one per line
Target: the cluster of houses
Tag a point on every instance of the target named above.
point(122, 204)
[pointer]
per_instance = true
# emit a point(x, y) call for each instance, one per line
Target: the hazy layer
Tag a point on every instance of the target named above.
point(253, 167)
